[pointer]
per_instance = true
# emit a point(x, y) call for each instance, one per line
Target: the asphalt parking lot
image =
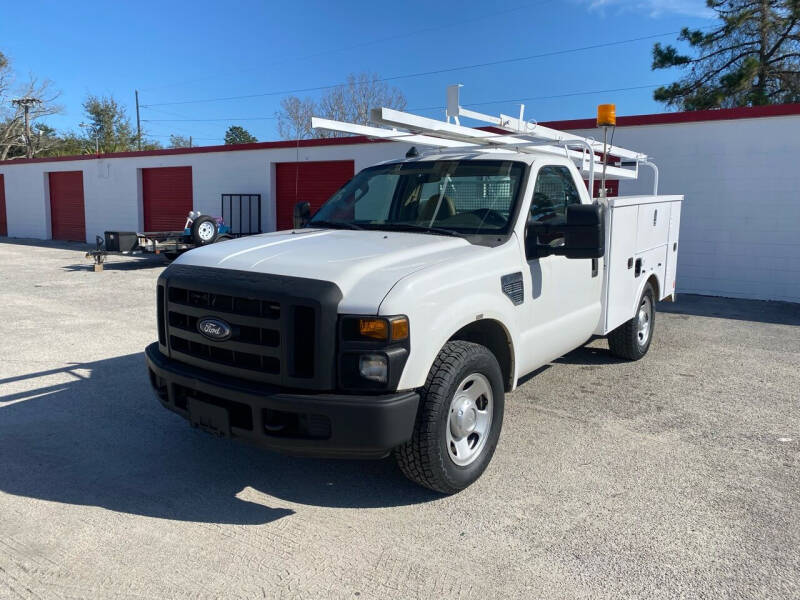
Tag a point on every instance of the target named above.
point(676, 476)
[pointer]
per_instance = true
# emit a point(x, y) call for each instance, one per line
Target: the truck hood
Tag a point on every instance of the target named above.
point(364, 264)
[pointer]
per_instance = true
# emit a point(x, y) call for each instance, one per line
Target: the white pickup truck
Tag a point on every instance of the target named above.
point(398, 317)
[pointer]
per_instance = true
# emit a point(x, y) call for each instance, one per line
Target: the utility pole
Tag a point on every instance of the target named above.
point(190, 141)
point(138, 123)
point(26, 104)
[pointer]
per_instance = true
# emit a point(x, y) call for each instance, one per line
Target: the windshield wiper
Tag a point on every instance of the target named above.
point(335, 225)
point(418, 228)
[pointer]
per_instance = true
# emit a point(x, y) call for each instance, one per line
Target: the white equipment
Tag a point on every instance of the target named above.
point(522, 136)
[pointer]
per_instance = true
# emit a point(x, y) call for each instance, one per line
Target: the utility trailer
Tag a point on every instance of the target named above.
point(395, 319)
point(199, 230)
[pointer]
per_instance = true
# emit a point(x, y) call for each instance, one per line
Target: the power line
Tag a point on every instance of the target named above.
point(551, 97)
point(207, 120)
point(484, 103)
point(390, 38)
point(425, 73)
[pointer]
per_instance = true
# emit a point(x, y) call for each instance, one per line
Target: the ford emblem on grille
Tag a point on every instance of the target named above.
point(214, 329)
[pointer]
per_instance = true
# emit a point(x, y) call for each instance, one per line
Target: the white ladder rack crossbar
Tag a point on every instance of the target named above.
point(518, 136)
point(523, 142)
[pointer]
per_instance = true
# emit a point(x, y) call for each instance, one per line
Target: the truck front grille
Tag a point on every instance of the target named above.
point(276, 331)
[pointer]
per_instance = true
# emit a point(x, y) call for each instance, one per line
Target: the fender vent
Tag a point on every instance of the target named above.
point(513, 288)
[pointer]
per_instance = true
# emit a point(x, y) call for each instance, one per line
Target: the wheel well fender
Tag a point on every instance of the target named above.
point(493, 335)
point(652, 280)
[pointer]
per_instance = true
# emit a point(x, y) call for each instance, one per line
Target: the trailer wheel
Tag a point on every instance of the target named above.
point(458, 421)
point(204, 230)
point(632, 339)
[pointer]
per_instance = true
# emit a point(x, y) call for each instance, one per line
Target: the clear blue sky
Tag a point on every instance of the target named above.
point(199, 49)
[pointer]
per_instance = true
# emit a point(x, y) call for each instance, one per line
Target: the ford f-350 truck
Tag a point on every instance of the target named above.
point(399, 316)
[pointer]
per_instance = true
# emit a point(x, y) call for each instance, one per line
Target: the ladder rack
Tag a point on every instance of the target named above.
point(516, 135)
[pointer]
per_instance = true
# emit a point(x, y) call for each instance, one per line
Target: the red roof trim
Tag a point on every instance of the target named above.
point(722, 114)
point(343, 141)
point(719, 114)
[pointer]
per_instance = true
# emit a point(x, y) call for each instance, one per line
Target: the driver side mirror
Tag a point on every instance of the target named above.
point(302, 215)
point(583, 234)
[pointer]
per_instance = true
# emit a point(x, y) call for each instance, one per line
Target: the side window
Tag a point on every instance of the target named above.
point(554, 191)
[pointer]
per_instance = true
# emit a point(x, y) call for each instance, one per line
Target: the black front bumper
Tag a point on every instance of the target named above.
point(312, 424)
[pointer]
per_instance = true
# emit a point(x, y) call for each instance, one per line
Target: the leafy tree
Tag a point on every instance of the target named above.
point(179, 141)
point(148, 144)
point(70, 144)
point(108, 123)
point(238, 135)
point(751, 58)
point(350, 102)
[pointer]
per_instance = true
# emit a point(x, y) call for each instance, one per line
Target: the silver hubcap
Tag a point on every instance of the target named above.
point(643, 319)
point(205, 231)
point(470, 419)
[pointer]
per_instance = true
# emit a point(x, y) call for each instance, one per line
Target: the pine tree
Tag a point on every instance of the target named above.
point(752, 58)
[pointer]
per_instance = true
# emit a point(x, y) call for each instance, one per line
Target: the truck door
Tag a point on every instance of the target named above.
point(566, 303)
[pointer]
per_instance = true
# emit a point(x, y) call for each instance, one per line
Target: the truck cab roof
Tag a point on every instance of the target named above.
point(527, 158)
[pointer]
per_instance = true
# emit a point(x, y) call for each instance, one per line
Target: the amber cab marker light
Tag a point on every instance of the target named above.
point(400, 329)
point(377, 329)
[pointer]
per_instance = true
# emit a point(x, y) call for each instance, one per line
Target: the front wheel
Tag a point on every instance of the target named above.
point(632, 339)
point(458, 421)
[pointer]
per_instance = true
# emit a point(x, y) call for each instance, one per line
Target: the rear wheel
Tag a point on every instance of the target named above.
point(632, 339)
point(458, 420)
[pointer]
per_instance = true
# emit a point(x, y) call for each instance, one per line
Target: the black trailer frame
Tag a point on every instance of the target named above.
point(172, 243)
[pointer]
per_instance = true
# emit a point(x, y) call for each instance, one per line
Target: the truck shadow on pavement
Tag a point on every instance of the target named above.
point(94, 434)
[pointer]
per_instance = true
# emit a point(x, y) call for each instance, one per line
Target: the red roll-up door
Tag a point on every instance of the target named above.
point(3, 218)
point(67, 217)
point(166, 197)
point(312, 182)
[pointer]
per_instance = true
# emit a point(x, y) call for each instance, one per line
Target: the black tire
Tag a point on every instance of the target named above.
point(625, 341)
point(425, 458)
point(223, 238)
point(208, 233)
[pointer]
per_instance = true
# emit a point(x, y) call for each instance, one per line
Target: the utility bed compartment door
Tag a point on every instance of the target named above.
point(621, 282)
point(672, 250)
point(652, 228)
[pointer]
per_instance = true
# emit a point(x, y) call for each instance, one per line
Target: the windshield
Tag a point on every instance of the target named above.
point(451, 197)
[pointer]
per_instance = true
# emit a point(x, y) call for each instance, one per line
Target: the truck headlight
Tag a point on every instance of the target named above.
point(372, 351)
point(374, 367)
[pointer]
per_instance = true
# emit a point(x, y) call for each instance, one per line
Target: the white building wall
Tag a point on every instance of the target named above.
point(740, 222)
point(740, 228)
point(112, 186)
